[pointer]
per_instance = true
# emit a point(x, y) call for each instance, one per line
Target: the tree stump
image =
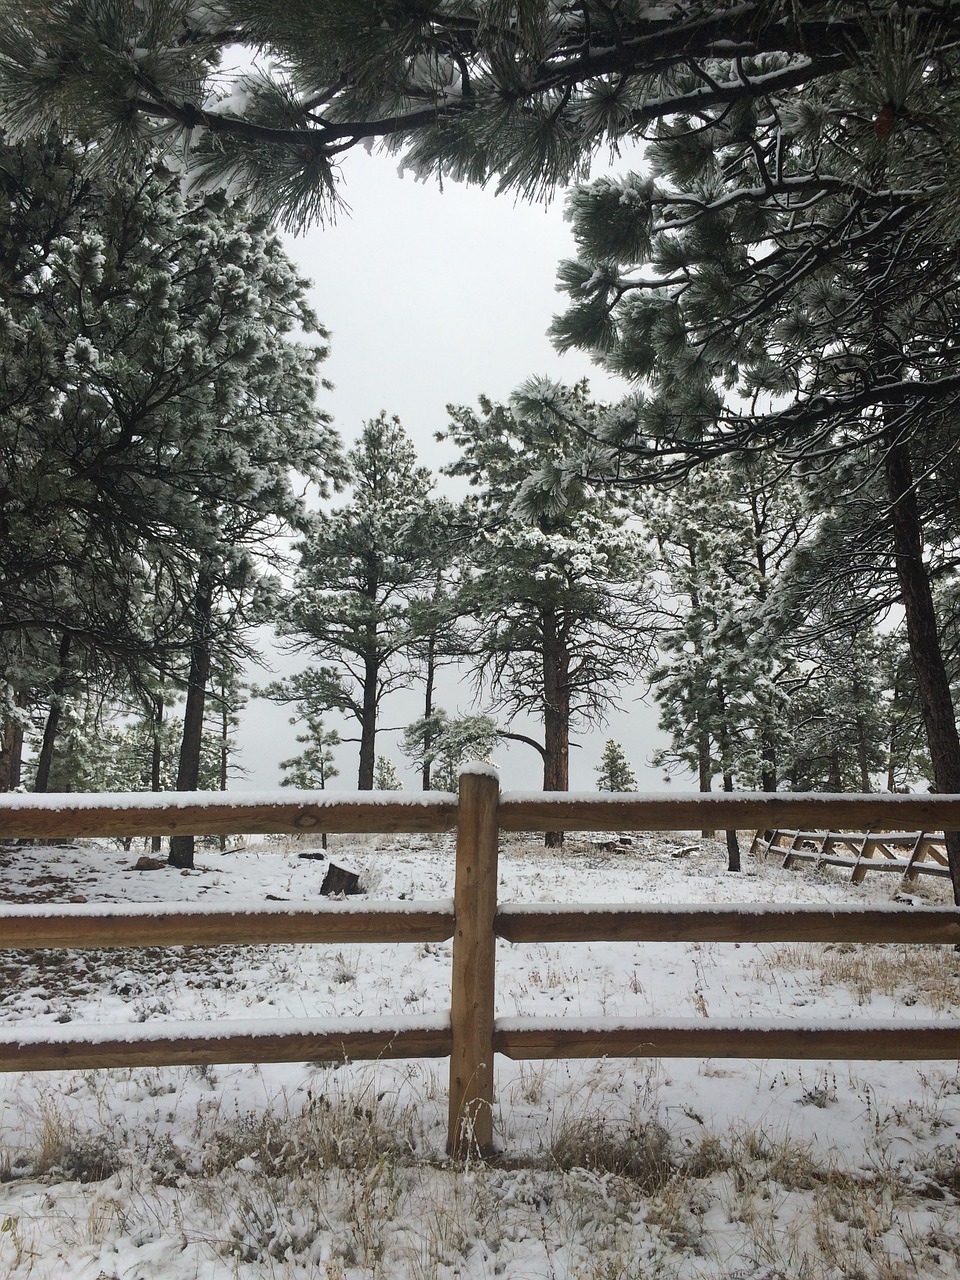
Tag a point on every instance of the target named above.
point(340, 880)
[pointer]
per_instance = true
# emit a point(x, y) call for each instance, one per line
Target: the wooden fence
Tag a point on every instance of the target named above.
point(471, 1035)
point(911, 853)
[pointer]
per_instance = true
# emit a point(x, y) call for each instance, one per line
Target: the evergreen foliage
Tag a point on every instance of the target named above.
point(838, 716)
point(614, 772)
point(785, 276)
point(362, 567)
point(385, 776)
point(97, 752)
point(153, 392)
point(726, 662)
point(446, 744)
point(157, 400)
point(313, 768)
point(555, 589)
point(521, 95)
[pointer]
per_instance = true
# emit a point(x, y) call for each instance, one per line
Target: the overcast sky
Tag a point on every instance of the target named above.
point(434, 297)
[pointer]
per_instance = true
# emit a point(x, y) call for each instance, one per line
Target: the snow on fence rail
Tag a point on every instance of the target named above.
point(471, 1035)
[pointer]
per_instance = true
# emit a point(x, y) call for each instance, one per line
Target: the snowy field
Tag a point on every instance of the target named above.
point(611, 1170)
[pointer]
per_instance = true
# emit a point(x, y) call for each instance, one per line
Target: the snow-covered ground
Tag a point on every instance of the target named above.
point(611, 1169)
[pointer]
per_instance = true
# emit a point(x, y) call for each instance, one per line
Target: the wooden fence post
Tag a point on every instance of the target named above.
point(474, 966)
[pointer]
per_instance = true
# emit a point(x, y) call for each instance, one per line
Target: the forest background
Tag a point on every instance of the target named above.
point(777, 279)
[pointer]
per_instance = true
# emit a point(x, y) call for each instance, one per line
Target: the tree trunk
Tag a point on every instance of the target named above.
point(224, 748)
point(768, 762)
point(705, 771)
point(429, 680)
point(768, 751)
point(368, 723)
point(892, 738)
point(733, 842)
point(863, 762)
point(704, 761)
point(188, 769)
point(556, 713)
point(50, 728)
point(11, 749)
point(155, 759)
point(923, 635)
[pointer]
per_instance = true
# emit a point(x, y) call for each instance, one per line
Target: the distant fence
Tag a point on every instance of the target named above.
point(912, 853)
point(471, 1035)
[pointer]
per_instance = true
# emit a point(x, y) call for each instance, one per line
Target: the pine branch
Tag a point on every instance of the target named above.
point(522, 737)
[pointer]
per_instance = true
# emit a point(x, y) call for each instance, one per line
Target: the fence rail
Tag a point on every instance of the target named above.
point(471, 1035)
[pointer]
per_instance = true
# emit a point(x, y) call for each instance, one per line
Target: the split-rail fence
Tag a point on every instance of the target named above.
point(471, 1035)
point(911, 853)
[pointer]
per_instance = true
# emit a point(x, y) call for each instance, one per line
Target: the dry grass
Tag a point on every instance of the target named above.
point(911, 974)
point(345, 1183)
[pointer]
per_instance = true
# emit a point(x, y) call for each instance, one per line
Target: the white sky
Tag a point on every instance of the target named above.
point(432, 298)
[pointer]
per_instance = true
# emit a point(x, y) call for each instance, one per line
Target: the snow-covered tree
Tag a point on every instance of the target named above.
point(444, 744)
point(435, 621)
point(798, 251)
point(520, 94)
point(385, 776)
point(98, 750)
point(614, 772)
point(313, 768)
point(150, 373)
point(725, 662)
point(837, 714)
point(157, 398)
point(556, 581)
point(362, 565)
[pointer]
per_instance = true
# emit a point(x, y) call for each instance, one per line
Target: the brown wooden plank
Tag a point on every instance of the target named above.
point(473, 980)
point(856, 838)
point(585, 812)
point(933, 869)
point(852, 842)
point(739, 923)
point(711, 1038)
point(937, 851)
point(80, 816)
point(158, 1050)
point(800, 855)
point(761, 842)
point(917, 854)
point(777, 842)
point(78, 927)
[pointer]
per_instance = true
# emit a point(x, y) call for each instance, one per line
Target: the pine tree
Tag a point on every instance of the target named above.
point(385, 776)
point(837, 715)
point(522, 95)
point(555, 585)
point(156, 399)
point(313, 768)
point(800, 256)
point(614, 772)
point(445, 744)
point(435, 621)
point(362, 565)
point(142, 332)
point(725, 536)
point(98, 750)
